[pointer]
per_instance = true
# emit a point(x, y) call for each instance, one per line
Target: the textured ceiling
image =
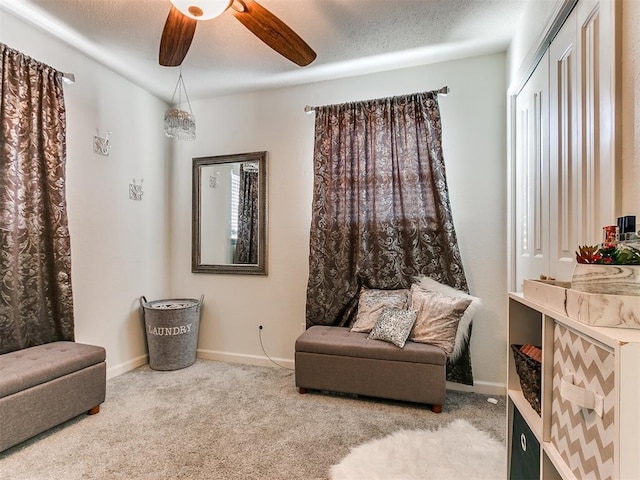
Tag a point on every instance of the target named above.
point(349, 36)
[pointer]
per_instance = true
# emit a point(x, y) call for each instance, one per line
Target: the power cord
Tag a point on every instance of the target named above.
point(265, 352)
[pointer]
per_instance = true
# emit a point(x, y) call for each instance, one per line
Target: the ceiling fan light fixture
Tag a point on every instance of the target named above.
point(201, 9)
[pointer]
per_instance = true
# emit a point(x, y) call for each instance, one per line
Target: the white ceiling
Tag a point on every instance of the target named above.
point(350, 37)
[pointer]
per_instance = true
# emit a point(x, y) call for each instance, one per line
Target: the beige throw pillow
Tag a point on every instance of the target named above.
point(464, 326)
point(372, 302)
point(438, 317)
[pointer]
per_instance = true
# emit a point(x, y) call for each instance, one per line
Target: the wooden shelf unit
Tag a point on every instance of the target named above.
point(531, 322)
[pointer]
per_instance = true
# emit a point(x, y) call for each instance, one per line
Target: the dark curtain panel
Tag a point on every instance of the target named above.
point(381, 212)
point(247, 244)
point(36, 304)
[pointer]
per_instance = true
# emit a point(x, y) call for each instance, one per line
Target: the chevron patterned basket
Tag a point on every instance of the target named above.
point(528, 370)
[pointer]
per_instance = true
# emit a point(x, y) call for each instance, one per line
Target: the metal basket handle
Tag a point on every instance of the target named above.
point(200, 302)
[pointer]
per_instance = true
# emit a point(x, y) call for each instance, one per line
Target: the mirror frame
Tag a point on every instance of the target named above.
point(250, 269)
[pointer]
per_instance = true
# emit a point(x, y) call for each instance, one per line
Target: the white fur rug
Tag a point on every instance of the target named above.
point(456, 451)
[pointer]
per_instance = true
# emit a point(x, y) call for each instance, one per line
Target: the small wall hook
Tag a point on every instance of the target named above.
point(135, 190)
point(101, 145)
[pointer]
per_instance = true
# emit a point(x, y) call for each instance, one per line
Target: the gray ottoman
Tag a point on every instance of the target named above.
point(336, 359)
point(43, 386)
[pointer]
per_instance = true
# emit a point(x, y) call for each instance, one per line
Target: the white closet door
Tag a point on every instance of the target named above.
point(583, 123)
point(565, 172)
point(596, 43)
point(567, 148)
point(531, 189)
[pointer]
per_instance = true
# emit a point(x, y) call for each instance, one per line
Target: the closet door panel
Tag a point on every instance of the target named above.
point(596, 45)
point(565, 171)
point(532, 176)
point(589, 31)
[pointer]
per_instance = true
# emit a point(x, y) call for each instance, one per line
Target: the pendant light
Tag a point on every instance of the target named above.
point(180, 124)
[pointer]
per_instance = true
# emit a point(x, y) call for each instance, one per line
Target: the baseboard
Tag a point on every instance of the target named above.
point(244, 359)
point(206, 355)
point(485, 388)
point(126, 366)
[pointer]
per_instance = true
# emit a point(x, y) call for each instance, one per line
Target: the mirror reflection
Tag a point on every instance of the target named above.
point(229, 214)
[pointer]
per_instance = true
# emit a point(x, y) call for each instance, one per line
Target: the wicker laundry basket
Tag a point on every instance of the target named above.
point(172, 331)
point(529, 371)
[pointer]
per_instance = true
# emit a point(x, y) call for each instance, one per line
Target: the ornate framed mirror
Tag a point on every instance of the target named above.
point(229, 214)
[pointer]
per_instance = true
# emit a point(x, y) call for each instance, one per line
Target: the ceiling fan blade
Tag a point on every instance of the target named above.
point(176, 38)
point(273, 31)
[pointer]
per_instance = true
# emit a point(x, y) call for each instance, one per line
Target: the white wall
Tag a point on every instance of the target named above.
point(529, 32)
point(473, 117)
point(119, 247)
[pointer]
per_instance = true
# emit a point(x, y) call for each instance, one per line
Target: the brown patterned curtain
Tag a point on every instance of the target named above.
point(36, 304)
point(247, 244)
point(381, 212)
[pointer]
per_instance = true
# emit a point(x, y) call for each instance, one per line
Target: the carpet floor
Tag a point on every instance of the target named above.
point(217, 420)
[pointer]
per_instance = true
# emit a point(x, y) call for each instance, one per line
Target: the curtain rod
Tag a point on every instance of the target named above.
point(68, 78)
point(442, 91)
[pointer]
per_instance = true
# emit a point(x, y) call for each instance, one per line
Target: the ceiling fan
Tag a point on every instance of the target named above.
point(184, 15)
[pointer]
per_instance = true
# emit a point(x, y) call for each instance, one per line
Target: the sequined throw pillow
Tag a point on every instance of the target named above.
point(372, 302)
point(394, 326)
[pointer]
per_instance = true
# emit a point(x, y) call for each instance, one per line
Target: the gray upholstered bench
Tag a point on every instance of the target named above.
point(43, 386)
point(336, 359)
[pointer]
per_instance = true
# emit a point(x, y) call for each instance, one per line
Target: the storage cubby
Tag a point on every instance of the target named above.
point(525, 326)
point(606, 362)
